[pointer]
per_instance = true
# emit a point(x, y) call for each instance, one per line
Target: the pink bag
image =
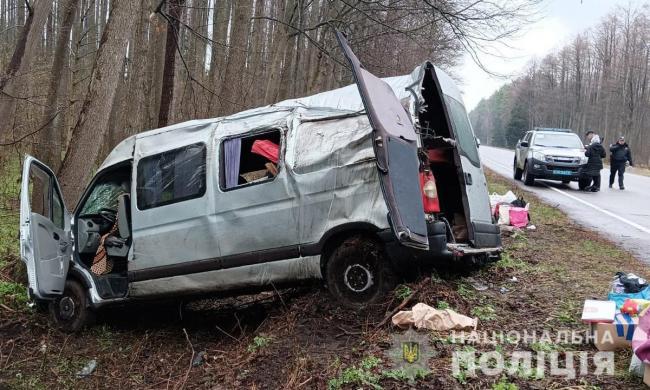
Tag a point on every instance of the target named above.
point(518, 217)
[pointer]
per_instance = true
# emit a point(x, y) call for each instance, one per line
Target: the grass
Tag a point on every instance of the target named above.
point(443, 305)
point(13, 295)
point(402, 292)
point(361, 375)
point(259, 342)
point(503, 384)
point(9, 208)
point(484, 313)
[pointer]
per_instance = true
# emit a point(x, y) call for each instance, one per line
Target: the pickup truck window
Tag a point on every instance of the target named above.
point(559, 140)
point(170, 177)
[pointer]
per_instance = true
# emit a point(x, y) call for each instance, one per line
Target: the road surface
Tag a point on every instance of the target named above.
point(622, 216)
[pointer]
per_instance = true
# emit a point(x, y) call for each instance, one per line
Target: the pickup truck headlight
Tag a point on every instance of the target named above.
point(539, 156)
point(583, 160)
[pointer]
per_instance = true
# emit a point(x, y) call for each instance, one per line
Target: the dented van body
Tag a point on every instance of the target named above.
point(265, 197)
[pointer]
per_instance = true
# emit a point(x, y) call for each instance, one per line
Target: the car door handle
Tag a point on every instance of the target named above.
point(468, 178)
point(55, 236)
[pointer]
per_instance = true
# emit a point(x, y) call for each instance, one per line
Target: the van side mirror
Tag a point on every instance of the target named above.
point(478, 142)
point(523, 144)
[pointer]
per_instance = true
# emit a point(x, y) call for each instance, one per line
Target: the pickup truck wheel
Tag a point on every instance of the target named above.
point(358, 273)
point(70, 311)
point(527, 177)
point(516, 171)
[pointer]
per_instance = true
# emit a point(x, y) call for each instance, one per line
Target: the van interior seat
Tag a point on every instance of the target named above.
point(118, 245)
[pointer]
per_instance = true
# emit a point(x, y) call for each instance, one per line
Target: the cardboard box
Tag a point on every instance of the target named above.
point(598, 311)
point(614, 335)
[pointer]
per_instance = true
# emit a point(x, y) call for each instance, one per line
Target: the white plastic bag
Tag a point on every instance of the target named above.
point(506, 198)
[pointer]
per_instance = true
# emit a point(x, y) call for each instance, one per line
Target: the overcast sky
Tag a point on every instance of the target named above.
point(560, 21)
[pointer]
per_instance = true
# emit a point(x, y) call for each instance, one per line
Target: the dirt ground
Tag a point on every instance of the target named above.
point(300, 338)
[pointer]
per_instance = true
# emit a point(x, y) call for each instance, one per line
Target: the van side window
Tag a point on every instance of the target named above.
point(250, 160)
point(172, 176)
point(462, 130)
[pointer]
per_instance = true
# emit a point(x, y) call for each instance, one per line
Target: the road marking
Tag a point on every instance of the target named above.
point(593, 206)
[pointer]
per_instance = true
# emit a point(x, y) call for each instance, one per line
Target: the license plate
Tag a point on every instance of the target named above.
point(562, 172)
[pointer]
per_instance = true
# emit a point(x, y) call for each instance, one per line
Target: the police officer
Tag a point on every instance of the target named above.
point(619, 158)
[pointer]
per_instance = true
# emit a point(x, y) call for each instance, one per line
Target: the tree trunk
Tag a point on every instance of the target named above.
point(92, 124)
point(56, 93)
point(169, 68)
point(231, 89)
point(22, 60)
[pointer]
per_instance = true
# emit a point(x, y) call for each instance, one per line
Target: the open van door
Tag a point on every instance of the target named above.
point(45, 239)
point(482, 232)
point(396, 148)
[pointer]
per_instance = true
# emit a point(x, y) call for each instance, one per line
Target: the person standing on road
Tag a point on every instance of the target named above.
point(590, 172)
point(619, 158)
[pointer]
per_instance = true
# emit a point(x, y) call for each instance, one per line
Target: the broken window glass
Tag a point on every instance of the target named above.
point(173, 176)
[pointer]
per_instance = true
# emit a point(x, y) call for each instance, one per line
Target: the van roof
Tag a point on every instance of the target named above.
point(340, 101)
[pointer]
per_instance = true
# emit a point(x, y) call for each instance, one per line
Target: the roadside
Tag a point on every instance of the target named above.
point(301, 339)
point(621, 216)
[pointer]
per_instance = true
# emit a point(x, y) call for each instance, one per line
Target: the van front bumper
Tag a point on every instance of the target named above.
point(487, 241)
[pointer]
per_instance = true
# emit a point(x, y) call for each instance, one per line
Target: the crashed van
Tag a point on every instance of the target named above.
point(352, 186)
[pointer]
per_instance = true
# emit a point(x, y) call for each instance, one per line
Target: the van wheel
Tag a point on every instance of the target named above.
point(358, 273)
point(516, 171)
point(70, 311)
point(528, 178)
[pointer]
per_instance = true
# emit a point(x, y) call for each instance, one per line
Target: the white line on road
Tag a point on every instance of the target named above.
point(593, 206)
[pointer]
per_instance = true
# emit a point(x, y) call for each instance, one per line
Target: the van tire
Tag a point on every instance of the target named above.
point(516, 171)
point(70, 312)
point(358, 273)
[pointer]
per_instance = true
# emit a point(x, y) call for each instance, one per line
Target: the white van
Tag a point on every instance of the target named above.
point(317, 187)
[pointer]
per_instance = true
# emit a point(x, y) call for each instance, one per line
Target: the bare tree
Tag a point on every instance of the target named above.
point(92, 124)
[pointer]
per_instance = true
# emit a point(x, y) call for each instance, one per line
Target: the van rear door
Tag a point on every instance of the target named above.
point(395, 146)
point(482, 232)
point(45, 239)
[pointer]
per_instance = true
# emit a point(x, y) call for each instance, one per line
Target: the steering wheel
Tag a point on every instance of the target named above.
point(108, 215)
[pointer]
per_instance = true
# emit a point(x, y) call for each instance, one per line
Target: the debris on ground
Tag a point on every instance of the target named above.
point(425, 316)
point(478, 285)
point(88, 369)
point(199, 359)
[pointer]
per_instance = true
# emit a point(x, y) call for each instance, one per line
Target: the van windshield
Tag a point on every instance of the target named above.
point(565, 141)
point(104, 195)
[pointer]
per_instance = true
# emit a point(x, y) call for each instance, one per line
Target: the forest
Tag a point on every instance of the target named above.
point(78, 76)
point(598, 81)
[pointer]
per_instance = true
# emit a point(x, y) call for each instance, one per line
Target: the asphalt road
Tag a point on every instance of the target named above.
point(621, 216)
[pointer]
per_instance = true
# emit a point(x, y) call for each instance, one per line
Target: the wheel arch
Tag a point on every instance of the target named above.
point(335, 236)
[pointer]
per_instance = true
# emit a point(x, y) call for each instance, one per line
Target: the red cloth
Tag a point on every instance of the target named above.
point(266, 148)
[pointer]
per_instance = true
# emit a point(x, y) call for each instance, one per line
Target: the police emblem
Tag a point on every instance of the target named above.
point(410, 351)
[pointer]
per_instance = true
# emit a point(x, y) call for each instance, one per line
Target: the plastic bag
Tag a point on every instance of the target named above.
point(506, 198)
point(518, 216)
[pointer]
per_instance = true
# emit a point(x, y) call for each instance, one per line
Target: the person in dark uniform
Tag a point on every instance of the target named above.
point(619, 158)
point(590, 172)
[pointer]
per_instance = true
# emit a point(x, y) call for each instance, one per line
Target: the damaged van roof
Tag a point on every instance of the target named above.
point(340, 101)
